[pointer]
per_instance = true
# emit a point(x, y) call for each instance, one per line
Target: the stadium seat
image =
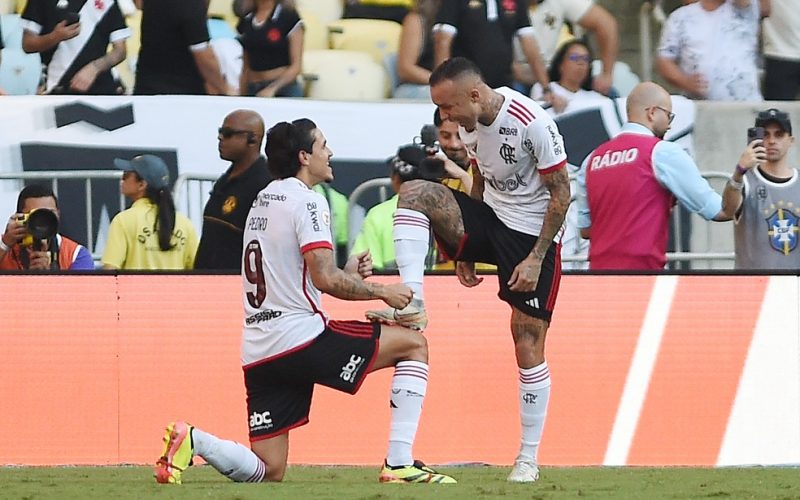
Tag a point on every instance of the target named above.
point(316, 37)
point(326, 11)
point(343, 75)
point(20, 72)
point(12, 31)
point(624, 78)
point(373, 36)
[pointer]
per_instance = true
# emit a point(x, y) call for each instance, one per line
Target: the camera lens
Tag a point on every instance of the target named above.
point(42, 224)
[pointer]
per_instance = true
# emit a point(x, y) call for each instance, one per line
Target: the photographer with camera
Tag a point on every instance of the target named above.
point(765, 187)
point(31, 240)
point(412, 161)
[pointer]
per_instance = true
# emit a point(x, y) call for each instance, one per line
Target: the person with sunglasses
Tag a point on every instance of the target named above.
point(240, 138)
point(570, 75)
point(628, 185)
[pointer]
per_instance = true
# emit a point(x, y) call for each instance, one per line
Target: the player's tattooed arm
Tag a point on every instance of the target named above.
point(557, 183)
point(332, 280)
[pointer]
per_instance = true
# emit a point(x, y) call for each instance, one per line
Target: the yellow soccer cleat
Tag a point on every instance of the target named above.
point(177, 454)
point(417, 472)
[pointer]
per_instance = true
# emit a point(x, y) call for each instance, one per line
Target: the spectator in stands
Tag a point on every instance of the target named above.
point(782, 51)
point(548, 18)
point(457, 163)
point(73, 38)
point(240, 138)
point(628, 186)
point(709, 50)
point(175, 55)
point(415, 53)
point(571, 74)
point(149, 235)
point(483, 33)
point(387, 10)
point(272, 39)
point(765, 188)
point(20, 249)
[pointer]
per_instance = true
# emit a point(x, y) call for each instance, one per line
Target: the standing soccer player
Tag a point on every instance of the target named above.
point(289, 344)
point(512, 218)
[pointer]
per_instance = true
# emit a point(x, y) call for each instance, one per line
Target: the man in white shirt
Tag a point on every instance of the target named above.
point(709, 50)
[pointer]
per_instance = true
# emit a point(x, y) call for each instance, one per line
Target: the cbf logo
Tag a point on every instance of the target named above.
point(783, 230)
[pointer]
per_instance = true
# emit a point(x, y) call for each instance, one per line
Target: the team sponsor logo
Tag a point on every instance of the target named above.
point(326, 218)
point(314, 215)
point(508, 153)
point(260, 421)
point(782, 230)
point(507, 184)
point(614, 158)
point(262, 316)
point(508, 131)
point(529, 398)
point(350, 370)
point(263, 199)
point(534, 302)
point(555, 139)
point(229, 205)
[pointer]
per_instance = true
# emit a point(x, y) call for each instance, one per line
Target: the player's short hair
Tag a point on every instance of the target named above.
point(34, 191)
point(284, 142)
point(454, 68)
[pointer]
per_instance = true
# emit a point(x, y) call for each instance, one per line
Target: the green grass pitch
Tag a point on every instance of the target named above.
point(120, 483)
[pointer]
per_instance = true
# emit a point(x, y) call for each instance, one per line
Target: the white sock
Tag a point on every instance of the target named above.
point(230, 458)
point(411, 239)
point(534, 393)
point(409, 384)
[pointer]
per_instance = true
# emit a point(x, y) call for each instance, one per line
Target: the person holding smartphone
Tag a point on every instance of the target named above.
point(764, 187)
point(72, 37)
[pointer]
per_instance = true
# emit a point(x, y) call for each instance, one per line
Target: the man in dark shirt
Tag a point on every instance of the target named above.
point(73, 37)
point(175, 55)
point(484, 32)
point(224, 217)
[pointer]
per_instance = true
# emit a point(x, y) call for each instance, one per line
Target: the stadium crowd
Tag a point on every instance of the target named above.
point(278, 48)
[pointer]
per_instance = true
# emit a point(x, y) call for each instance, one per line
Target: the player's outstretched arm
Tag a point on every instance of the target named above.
point(332, 280)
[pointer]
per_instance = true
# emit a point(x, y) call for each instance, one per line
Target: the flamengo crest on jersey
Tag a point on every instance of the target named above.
point(522, 142)
point(282, 307)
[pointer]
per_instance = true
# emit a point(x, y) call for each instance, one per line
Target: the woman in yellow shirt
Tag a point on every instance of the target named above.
point(149, 235)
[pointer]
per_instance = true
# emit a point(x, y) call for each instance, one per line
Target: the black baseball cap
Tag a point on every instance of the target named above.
point(774, 115)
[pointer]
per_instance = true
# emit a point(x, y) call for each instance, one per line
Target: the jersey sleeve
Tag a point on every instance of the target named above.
point(669, 47)
point(33, 17)
point(119, 30)
point(676, 171)
point(313, 224)
point(543, 140)
point(195, 26)
point(448, 17)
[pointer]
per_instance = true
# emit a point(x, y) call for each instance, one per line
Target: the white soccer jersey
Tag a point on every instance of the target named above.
point(522, 142)
point(282, 307)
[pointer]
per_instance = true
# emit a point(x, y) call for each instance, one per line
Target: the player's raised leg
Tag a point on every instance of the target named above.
point(422, 205)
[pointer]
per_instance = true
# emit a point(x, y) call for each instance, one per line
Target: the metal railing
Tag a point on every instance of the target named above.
point(647, 12)
point(191, 192)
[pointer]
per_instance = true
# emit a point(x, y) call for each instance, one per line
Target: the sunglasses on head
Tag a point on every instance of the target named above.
point(579, 58)
point(228, 132)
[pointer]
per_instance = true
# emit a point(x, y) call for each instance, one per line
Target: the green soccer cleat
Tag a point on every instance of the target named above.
point(418, 472)
point(177, 454)
point(412, 316)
